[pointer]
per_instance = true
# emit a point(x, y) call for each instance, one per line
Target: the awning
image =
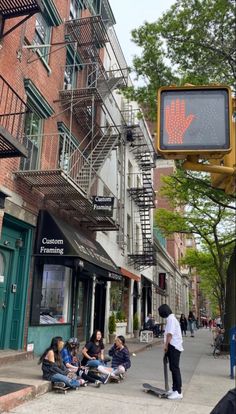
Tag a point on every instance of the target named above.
point(57, 238)
point(129, 274)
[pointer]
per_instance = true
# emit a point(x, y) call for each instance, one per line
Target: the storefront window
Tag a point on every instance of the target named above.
point(56, 294)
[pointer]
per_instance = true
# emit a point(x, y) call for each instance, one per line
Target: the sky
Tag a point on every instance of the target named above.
point(130, 14)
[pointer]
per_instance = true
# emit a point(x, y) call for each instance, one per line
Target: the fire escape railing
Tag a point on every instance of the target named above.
point(17, 8)
point(143, 194)
point(12, 112)
point(65, 177)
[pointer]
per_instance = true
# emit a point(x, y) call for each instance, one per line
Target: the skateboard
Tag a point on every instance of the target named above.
point(159, 392)
point(60, 387)
point(115, 379)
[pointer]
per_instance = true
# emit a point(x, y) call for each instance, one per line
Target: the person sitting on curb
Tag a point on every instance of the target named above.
point(120, 357)
point(71, 360)
point(53, 367)
point(93, 356)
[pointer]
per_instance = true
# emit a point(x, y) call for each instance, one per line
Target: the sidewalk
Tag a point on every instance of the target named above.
point(22, 381)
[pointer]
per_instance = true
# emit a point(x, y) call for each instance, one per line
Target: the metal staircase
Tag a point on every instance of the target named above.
point(143, 195)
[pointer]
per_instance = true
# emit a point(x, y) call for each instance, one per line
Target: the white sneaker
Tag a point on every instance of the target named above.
point(169, 392)
point(175, 396)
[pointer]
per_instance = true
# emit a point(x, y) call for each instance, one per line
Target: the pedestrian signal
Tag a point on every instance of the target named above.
point(194, 120)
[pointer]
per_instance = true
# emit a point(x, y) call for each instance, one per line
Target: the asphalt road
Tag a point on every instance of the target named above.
point(200, 372)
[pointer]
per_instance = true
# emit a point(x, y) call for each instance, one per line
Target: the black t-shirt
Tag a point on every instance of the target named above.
point(93, 350)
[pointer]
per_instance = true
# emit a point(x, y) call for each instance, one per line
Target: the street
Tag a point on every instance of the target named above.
point(205, 381)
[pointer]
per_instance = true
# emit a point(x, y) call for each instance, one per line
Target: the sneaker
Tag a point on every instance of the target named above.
point(97, 383)
point(169, 392)
point(106, 378)
point(175, 396)
point(83, 383)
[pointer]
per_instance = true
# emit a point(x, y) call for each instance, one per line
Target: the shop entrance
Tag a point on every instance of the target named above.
point(100, 304)
point(13, 283)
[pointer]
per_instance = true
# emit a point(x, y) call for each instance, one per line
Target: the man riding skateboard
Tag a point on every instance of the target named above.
point(172, 347)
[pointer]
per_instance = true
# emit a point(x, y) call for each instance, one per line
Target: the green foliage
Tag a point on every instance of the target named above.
point(120, 316)
point(112, 323)
point(197, 209)
point(136, 322)
point(193, 42)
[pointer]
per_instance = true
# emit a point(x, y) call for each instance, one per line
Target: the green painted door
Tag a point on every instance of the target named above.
point(13, 285)
point(5, 275)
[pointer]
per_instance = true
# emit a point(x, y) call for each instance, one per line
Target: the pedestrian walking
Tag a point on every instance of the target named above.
point(183, 324)
point(173, 347)
point(191, 322)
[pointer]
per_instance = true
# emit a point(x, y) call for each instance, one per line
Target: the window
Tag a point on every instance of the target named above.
point(68, 152)
point(42, 36)
point(128, 233)
point(130, 175)
point(55, 294)
point(32, 141)
point(137, 238)
point(75, 8)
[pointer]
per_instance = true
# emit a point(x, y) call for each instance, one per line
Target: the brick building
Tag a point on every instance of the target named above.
point(64, 135)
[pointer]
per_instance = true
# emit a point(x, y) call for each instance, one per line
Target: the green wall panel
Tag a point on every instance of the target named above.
point(41, 336)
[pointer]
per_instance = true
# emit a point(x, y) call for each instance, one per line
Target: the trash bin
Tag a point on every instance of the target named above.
point(232, 350)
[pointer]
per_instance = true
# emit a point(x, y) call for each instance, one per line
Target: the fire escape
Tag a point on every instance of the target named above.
point(12, 111)
point(142, 194)
point(17, 8)
point(91, 105)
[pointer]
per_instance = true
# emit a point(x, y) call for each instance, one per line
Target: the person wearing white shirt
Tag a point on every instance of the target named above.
point(173, 346)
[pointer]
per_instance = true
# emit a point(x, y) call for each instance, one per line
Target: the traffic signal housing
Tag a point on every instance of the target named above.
point(194, 120)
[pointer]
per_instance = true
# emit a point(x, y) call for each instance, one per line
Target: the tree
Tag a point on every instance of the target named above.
point(194, 41)
point(198, 210)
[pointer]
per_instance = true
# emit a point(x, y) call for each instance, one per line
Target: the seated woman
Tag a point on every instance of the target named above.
point(52, 365)
point(71, 360)
point(93, 355)
point(120, 357)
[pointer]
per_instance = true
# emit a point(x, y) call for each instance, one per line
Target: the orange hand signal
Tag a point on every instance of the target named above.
point(176, 121)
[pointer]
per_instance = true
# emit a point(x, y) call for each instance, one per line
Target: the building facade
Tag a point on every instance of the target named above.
point(75, 179)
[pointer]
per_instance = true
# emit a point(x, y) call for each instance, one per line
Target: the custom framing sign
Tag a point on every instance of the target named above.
point(194, 120)
point(103, 205)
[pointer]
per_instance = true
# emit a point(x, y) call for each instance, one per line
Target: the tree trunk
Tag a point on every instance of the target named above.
point(230, 302)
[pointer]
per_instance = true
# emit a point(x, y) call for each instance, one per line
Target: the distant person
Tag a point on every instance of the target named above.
point(191, 322)
point(53, 367)
point(120, 357)
point(183, 324)
point(218, 322)
point(173, 347)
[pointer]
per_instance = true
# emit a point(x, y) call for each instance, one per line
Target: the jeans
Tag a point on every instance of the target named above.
point(72, 383)
point(94, 363)
point(174, 358)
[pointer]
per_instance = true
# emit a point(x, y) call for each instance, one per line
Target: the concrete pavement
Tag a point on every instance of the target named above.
point(205, 381)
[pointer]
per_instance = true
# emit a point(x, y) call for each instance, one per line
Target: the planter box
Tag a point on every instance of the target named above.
point(121, 328)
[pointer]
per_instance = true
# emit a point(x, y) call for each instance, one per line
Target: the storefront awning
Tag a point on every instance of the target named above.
point(129, 274)
point(57, 238)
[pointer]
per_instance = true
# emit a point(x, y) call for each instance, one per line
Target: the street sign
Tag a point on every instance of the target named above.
point(194, 120)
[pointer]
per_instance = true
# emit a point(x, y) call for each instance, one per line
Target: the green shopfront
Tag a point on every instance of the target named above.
point(15, 253)
point(71, 271)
